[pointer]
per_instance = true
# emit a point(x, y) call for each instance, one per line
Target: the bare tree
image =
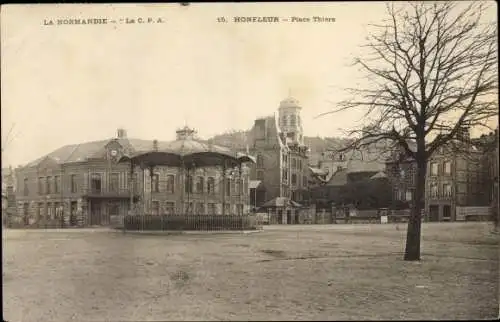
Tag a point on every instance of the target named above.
point(432, 71)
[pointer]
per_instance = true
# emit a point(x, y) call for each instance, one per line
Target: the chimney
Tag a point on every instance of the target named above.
point(155, 145)
point(121, 133)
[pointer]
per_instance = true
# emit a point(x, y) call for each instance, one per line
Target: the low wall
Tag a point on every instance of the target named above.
point(473, 213)
point(41, 224)
point(191, 222)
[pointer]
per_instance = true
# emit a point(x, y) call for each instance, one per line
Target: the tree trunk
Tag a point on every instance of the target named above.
point(413, 234)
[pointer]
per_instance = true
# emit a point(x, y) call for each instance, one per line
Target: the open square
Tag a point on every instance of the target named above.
point(316, 272)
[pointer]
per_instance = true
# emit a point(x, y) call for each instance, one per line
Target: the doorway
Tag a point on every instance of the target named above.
point(279, 217)
point(26, 218)
point(95, 212)
point(433, 213)
point(113, 211)
point(72, 213)
point(288, 216)
point(446, 213)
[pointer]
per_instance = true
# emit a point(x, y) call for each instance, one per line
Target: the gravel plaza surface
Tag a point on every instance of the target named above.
point(292, 272)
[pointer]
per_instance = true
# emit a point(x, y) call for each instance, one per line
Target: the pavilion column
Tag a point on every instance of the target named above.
point(151, 175)
point(188, 187)
point(240, 189)
point(181, 186)
point(131, 188)
point(224, 188)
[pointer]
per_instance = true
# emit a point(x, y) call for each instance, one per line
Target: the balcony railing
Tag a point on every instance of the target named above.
point(108, 192)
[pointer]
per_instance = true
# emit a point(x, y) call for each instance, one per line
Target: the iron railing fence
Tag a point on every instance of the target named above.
point(190, 222)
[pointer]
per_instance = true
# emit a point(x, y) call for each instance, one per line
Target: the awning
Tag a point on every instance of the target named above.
point(254, 184)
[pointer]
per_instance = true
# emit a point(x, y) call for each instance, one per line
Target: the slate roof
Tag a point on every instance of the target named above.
point(281, 202)
point(339, 178)
point(80, 152)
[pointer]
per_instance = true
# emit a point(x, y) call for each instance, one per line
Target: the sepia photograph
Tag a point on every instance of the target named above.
point(247, 161)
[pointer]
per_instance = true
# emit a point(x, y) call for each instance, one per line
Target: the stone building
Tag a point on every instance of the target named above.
point(83, 184)
point(402, 173)
point(281, 167)
point(455, 178)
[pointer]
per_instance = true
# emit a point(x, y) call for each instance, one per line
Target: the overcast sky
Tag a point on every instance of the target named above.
point(67, 84)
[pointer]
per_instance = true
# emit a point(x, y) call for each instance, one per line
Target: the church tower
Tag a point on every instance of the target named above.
point(290, 122)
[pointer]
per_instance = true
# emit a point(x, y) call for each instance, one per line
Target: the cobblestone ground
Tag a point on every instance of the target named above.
point(334, 272)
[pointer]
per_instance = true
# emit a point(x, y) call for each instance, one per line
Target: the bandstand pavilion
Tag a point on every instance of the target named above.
point(188, 176)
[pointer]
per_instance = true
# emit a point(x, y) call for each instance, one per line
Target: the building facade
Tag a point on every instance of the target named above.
point(455, 177)
point(85, 185)
point(281, 168)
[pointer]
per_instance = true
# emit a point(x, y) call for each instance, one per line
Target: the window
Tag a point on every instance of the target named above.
point(25, 187)
point(57, 210)
point(155, 182)
point(227, 209)
point(50, 211)
point(237, 186)
point(200, 208)
point(341, 157)
point(285, 176)
point(170, 183)
point(188, 207)
point(188, 184)
point(200, 182)
point(57, 184)
point(260, 175)
point(212, 209)
point(47, 185)
point(294, 179)
point(211, 185)
point(396, 194)
point(434, 168)
point(434, 189)
point(114, 182)
point(95, 183)
point(170, 208)
point(447, 189)
point(156, 208)
point(304, 180)
point(293, 120)
point(300, 164)
point(294, 163)
point(74, 186)
point(260, 161)
point(228, 187)
point(409, 195)
point(447, 167)
point(137, 184)
point(40, 185)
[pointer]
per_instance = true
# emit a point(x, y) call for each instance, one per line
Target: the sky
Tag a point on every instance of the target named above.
point(66, 84)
